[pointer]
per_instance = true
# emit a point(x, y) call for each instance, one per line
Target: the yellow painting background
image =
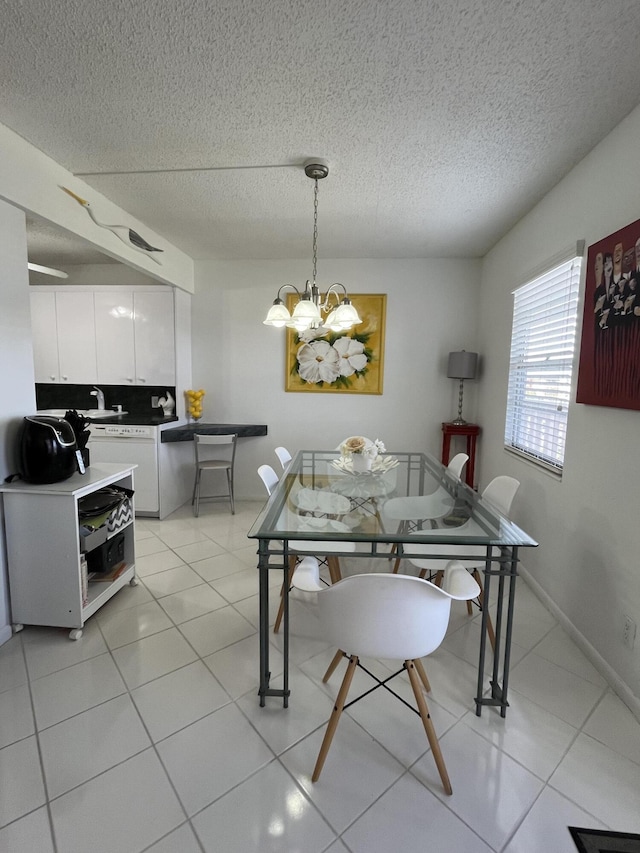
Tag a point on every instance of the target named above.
point(372, 309)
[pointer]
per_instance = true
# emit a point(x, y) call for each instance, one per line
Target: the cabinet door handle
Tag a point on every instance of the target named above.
point(65, 378)
point(129, 378)
point(141, 379)
point(52, 377)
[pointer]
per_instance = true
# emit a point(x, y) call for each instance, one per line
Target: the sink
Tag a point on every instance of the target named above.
point(95, 414)
point(99, 413)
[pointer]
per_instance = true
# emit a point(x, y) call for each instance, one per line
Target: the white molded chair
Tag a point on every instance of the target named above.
point(385, 616)
point(325, 549)
point(419, 508)
point(500, 493)
point(283, 455)
point(412, 511)
point(224, 460)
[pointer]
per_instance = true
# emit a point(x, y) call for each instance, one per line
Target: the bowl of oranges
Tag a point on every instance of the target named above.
point(194, 403)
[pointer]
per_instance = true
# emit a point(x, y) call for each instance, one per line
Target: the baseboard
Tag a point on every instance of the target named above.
point(5, 634)
point(605, 670)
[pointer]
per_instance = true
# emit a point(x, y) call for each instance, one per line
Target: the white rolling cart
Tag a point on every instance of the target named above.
point(44, 554)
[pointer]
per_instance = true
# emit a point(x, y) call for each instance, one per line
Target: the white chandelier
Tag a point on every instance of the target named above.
point(308, 311)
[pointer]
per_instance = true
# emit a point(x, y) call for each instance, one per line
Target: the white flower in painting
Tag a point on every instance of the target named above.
point(352, 357)
point(318, 362)
point(309, 335)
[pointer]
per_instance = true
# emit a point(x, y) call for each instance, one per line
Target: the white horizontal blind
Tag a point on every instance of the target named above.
point(542, 347)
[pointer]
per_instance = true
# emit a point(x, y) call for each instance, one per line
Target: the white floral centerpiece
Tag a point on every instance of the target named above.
point(361, 452)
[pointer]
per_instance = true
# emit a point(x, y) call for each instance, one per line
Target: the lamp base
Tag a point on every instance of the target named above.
point(459, 421)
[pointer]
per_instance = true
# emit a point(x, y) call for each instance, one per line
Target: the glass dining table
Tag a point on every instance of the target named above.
point(320, 498)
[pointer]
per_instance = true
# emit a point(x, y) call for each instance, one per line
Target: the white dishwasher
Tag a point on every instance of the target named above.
point(131, 444)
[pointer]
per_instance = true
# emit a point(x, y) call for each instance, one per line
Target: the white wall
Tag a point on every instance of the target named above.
point(587, 523)
point(431, 309)
point(17, 392)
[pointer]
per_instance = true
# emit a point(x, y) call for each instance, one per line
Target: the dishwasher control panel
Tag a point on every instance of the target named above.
point(118, 431)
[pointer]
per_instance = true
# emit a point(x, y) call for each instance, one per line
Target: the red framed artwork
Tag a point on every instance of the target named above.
point(609, 367)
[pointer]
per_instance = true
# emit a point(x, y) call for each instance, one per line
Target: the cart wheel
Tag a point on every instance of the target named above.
point(134, 581)
point(17, 627)
point(75, 633)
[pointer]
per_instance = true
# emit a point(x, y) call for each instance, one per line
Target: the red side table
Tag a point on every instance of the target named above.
point(471, 431)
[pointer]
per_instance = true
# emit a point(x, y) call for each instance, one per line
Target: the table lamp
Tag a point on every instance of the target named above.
point(462, 365)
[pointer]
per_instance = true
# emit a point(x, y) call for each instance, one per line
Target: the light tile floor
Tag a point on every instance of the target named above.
point(146, 734)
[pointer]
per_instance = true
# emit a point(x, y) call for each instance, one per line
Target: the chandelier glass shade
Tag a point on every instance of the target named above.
point(310, 307)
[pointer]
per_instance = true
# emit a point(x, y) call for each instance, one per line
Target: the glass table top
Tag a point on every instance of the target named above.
point(321, 497)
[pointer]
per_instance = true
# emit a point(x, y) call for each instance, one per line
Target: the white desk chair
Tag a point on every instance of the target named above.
point(324, 549)
point(284, 456)
point(385, 616)
point(500, 494)
point(223, 460)
point(411, 512)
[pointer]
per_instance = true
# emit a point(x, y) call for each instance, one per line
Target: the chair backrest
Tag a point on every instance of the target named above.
point(457, 464)
point(225, 446)
point(500, 492)
point(390, 616)
point(284, 456)
point(268, 477)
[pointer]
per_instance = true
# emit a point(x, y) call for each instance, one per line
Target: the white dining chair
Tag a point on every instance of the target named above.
point(223, 460)
point(500, 493)
point(395, 617)
point(413, 511)
point(326, 550)
point(283, 456)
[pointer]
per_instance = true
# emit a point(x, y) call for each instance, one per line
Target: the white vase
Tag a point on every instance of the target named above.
point(360, 463)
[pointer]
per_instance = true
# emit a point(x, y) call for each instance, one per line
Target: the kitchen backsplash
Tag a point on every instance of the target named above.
point(134, 399)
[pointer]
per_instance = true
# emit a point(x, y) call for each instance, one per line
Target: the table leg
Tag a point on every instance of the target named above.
point(508, 564)
point(471, 464)
point(285, 638)
point(265, 674)
point(513, 573)
point(483, 632)
point(446, 448)
point(263, 571)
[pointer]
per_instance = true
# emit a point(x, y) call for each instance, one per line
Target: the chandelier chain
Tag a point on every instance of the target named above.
point(315, 229)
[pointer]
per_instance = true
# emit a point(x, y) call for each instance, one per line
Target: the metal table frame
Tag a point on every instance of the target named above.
point(500, 555)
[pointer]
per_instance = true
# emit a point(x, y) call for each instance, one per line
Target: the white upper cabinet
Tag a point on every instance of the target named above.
point(154, 335)
point(63, 336)
point(135, 337)
point(115, 348)
point(114, 336)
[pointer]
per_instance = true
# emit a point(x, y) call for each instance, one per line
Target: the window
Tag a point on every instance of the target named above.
point(540, 368)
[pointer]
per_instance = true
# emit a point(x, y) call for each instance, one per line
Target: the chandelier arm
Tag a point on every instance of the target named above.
point(290, 286)
point(331, 292)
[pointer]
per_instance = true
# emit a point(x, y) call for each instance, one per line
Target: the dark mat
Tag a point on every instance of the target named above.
point(603, 841)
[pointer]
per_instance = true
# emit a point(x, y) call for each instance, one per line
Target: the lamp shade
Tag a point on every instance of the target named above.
point(278, 315)
point(462, 365)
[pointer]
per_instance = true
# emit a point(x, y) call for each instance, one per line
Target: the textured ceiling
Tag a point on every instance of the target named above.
point(443, 121)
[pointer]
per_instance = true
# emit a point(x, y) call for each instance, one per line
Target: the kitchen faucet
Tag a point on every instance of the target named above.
point(99, 395)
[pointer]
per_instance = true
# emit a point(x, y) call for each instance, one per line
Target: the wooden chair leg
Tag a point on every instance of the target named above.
point(428, 725)
point(332, 666)
point(422, 674)
point(490, 631)
point(335, 717)
point(333, 563)
point(293, 562)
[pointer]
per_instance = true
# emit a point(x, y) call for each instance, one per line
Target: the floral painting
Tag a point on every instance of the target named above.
point(352, 362)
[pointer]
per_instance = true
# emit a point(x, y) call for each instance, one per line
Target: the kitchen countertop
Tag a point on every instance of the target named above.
point(141, 420)
point(187, 431)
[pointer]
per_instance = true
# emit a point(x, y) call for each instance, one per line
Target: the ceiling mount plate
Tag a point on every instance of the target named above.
point(316, 168)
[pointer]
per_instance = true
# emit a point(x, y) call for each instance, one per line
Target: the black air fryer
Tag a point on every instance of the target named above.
point(47, 449)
